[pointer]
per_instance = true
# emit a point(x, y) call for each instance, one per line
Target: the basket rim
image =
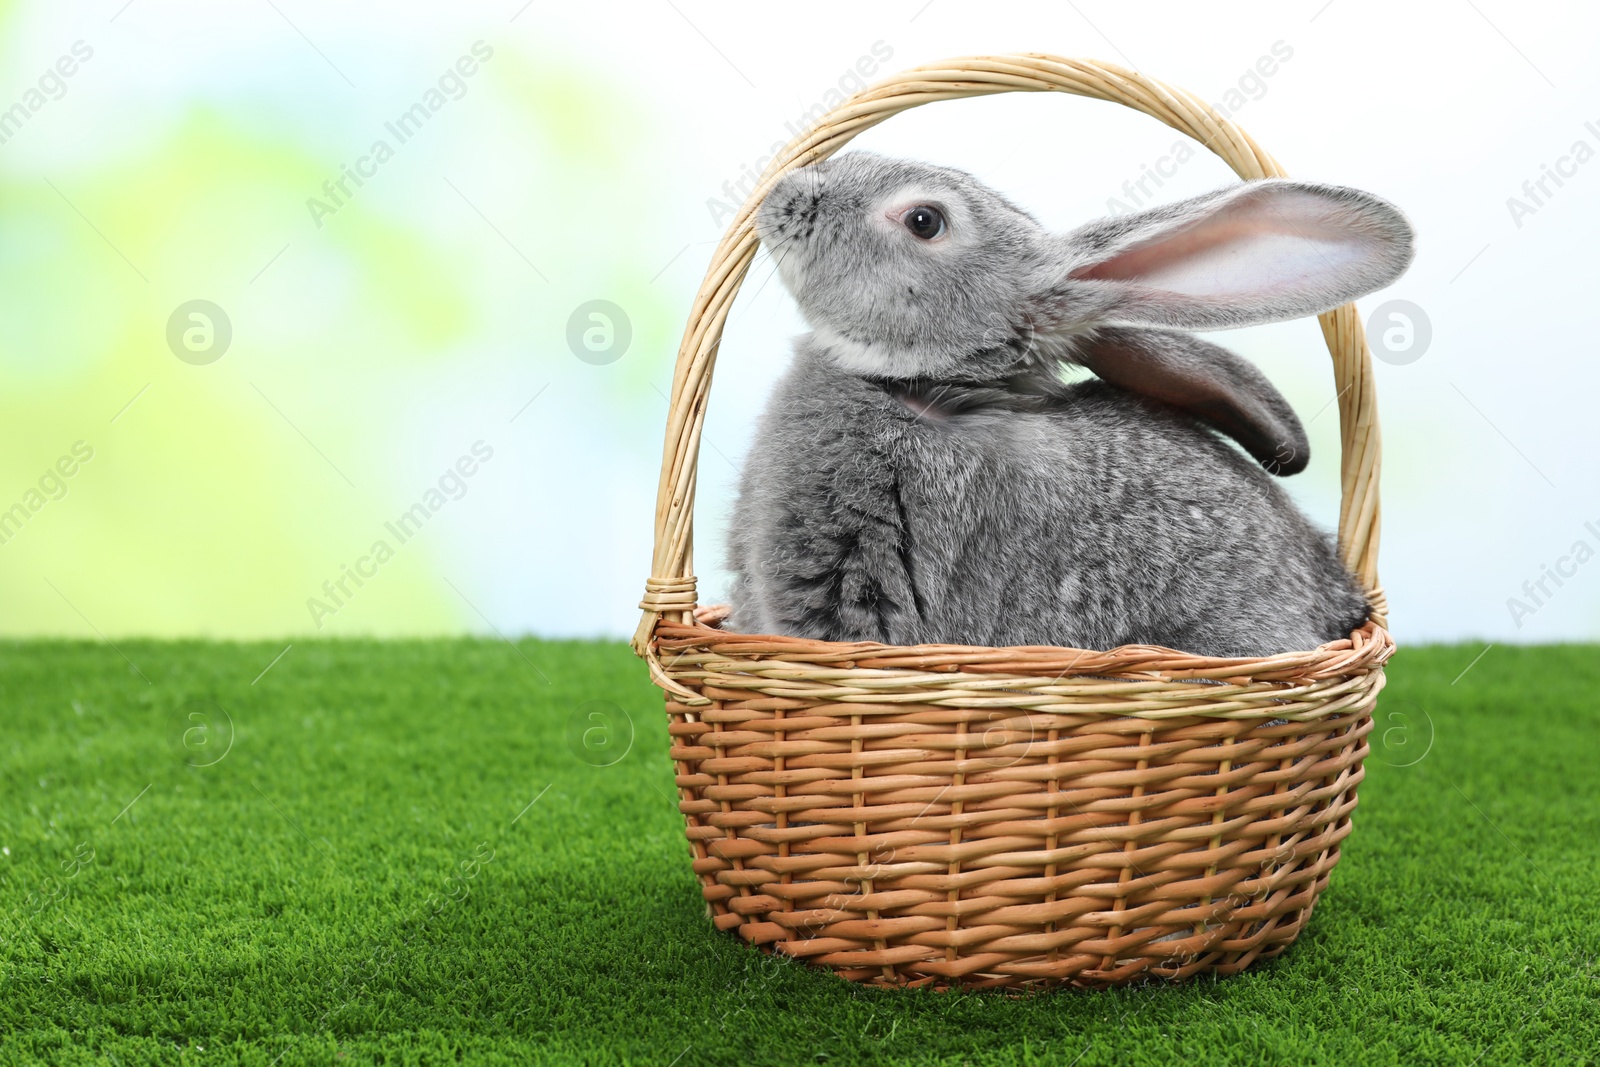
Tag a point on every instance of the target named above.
point(670, 591)
point(865, 672)
point(1367, 646)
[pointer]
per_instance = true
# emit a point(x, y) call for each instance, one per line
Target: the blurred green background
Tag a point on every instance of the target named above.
point(185, 159)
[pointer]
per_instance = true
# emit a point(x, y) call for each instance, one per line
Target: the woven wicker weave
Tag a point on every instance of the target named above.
point(944, 815)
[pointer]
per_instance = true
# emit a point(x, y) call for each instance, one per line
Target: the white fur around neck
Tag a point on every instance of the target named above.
point(879, 360)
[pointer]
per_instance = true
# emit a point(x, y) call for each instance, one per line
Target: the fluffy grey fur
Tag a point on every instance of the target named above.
point(922, 474)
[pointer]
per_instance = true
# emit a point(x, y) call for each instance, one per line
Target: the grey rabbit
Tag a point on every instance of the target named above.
point(923, 473)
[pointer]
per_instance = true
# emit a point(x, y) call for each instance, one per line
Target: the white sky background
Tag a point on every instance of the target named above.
point(1444, 108)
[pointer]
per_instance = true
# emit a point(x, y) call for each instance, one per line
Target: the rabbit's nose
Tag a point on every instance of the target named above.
point(801, 204)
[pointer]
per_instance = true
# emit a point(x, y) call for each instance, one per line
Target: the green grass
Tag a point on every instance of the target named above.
point(352, 883)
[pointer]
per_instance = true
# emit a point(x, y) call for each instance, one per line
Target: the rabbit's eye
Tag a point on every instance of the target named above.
point(924, 221)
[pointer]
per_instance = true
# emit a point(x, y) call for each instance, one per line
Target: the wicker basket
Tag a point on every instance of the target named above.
point(950, 815)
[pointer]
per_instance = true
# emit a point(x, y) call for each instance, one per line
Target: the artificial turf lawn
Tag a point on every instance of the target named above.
point(351, 882)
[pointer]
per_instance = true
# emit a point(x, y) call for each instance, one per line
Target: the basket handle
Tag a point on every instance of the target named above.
point(670, 590)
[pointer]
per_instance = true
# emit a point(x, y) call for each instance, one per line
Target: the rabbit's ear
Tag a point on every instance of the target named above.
point(1207, 381)
point(1263, 251)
